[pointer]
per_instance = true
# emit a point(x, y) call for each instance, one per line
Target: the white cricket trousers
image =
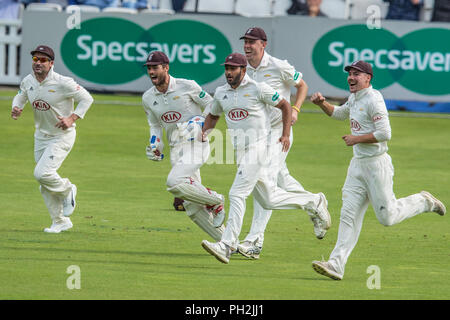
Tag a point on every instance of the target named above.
point(186, 160)
point(49, 154)
point(257, 176)
point(282, 178)
point(370, 180)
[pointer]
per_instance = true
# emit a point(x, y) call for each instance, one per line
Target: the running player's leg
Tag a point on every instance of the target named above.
point(284, 179)
point(249, 165)
point(271, 197)
point(354, 205)
point(261, 216)
point(183, 180)
point(49, 156)
point(203, 219)
point(260, 220)
point(388, 209)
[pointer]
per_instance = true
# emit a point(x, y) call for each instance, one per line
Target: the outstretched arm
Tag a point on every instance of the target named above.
point(318, 99)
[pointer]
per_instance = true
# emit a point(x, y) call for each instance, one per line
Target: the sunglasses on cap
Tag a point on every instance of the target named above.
point(41, 60)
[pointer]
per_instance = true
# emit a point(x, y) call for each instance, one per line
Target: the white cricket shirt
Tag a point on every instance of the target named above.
point(367, 112)
point(246, 110)
point(53, 97)
point(278, 74)
point(182, 100)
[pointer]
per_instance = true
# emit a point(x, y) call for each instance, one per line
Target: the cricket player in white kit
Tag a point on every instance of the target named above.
point(52, 97)
point(280, 75)
point(169, 105)
point(370, 174)
point(246, 105)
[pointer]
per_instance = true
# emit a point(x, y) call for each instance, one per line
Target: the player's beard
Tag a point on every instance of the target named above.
point(40, 70)
point(234, 81)
point(159, 80)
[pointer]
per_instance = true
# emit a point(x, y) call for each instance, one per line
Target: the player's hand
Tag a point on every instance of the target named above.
point(350, 140)
point(155, 149)
point(285, 142)
point(203, 136)
point(294, 116)
point(191, 129)
point(16, 112)
point(65, 123)
point(317, 98)
point(153, 154)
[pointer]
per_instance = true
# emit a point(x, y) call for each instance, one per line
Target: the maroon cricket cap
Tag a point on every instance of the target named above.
point(155, 58)
point(255, 33)
point(45, 50)
point(361, 66)
point(235, 59)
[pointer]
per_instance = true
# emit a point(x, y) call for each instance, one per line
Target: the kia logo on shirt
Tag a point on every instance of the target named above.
point(237, 114)
point(171, 116)
point(355, 125)
point(41, 105)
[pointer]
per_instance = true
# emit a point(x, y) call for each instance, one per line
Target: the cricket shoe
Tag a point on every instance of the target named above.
point(70, 202)
point(326, 269)
point(249, 249)
point(319, 228)
point(321, 218)
point(219, 250)
point(59, 227)
point(218, 213)
point(178, 204)
point(436, 205)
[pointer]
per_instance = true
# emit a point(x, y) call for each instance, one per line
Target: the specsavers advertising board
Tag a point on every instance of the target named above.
point(106, 51)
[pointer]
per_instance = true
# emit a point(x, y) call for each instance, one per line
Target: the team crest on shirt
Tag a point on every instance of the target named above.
point(275, 96)
point(237, 114)
point(41, 105)
point(267, 75)
point(176, 97)
point(355, 125)
point(171, 116)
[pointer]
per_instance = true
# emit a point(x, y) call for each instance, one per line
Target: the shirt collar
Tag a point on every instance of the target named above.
point(48, 77)
point(244, 81)
point(172, 84)
point(170, 88)
point(263, 63)
point(361, 93)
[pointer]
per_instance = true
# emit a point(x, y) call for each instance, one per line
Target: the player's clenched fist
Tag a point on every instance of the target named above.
point(16, 112)
point(317, 98)
point(64, 122)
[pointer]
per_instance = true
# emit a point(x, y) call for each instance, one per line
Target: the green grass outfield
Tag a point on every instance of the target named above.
point(130, 244)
